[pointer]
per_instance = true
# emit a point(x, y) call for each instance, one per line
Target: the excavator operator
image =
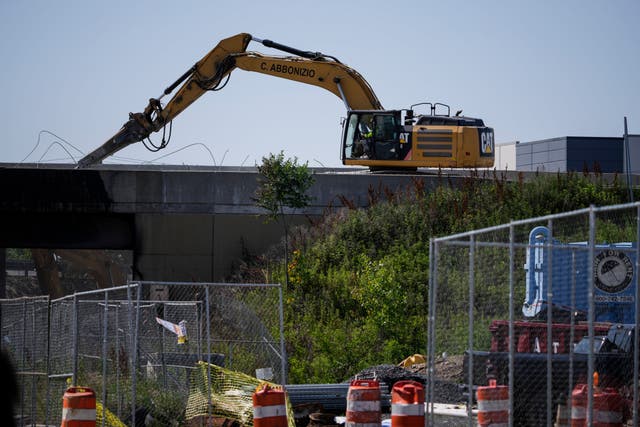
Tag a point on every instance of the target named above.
point(363, 144)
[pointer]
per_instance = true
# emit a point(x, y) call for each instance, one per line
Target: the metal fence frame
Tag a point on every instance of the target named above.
point(30, 360)
point(64, 332)
point(469, 240)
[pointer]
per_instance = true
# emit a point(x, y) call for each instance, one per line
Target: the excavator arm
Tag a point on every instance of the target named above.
point(211, 73)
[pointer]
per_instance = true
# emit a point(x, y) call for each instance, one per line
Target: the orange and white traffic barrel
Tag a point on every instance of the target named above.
point(579, 406)
point(563, 417)
point(79, 407)
point(407, 404)
point(269, 407)
point(608, 408)
point(493, 405)
point(363, 404)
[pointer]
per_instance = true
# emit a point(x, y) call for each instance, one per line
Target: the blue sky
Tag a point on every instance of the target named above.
point(532, 70)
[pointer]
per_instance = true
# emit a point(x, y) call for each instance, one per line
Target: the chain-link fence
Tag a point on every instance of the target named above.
point(90, 341)
point(137, 346)
point(23, 334)
point(547, 307)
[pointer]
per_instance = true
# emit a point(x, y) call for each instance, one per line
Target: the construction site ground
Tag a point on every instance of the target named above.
point(447, 379)
point(450, 402)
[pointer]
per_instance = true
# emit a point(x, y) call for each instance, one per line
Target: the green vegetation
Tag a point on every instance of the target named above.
point(283, 184)
point(19, 254)
point(358, 279)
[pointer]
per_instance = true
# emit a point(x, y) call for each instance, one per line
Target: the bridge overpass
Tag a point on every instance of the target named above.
point(181, 223)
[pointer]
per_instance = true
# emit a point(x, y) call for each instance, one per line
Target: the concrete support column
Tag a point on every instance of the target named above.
point(3, 272)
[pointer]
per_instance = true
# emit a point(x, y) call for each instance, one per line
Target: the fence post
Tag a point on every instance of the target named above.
point(283, 354)
point(432, 283)
point(132, 356)
point(74, 339)
point(636, 333)
point(48, 351)
point(512, 254)
point(472, 283)
point(134, 352)
point(590, 314)
point(22, 363)
point(549, 411)
point(208, 310)
point(105, 332)
point(117, 361)
point(34, 360)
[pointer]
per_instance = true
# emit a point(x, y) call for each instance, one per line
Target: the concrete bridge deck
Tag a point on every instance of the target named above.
point(182, 223)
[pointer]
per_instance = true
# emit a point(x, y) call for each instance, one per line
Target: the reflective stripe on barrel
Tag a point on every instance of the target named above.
point(269, 411)
point(363, 405)
point(408, 410)
point(78, 414)
point(493, 405)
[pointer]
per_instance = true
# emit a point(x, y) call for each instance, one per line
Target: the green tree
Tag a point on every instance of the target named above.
point(283, 184)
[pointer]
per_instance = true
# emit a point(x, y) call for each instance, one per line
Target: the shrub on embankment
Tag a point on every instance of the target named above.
point(358, 279)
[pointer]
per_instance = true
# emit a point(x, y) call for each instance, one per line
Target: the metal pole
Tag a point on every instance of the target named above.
point(117, 361)
point(550, 324)
point(134, 352)
point(74, 338)
point(199, 328)
point(636, 333)
point(3, 276)
point(162, 358)
point(105, 332)
point(208, 312)
point(628, 160)
point(48, 396)
point(131, 352)
point(590, 314)
point(35, 355)
point(432, 283)
point(23, 362)
point(472, 253)
point(572, 322)
point(283, 354)
point(512, 250)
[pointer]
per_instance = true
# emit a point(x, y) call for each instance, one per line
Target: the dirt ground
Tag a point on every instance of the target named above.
point(448, 378)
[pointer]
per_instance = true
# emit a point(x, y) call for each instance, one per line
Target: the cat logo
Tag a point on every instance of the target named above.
point(487, 145)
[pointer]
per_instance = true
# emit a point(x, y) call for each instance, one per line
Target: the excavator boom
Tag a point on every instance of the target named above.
point(211, 72)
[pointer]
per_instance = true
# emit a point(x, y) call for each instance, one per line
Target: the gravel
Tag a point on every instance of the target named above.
point(446, 384)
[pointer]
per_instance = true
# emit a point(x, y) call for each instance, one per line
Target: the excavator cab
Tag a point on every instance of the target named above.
point(373, 135)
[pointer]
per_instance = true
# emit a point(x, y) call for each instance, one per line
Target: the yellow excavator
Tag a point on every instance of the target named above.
point(372, 136)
